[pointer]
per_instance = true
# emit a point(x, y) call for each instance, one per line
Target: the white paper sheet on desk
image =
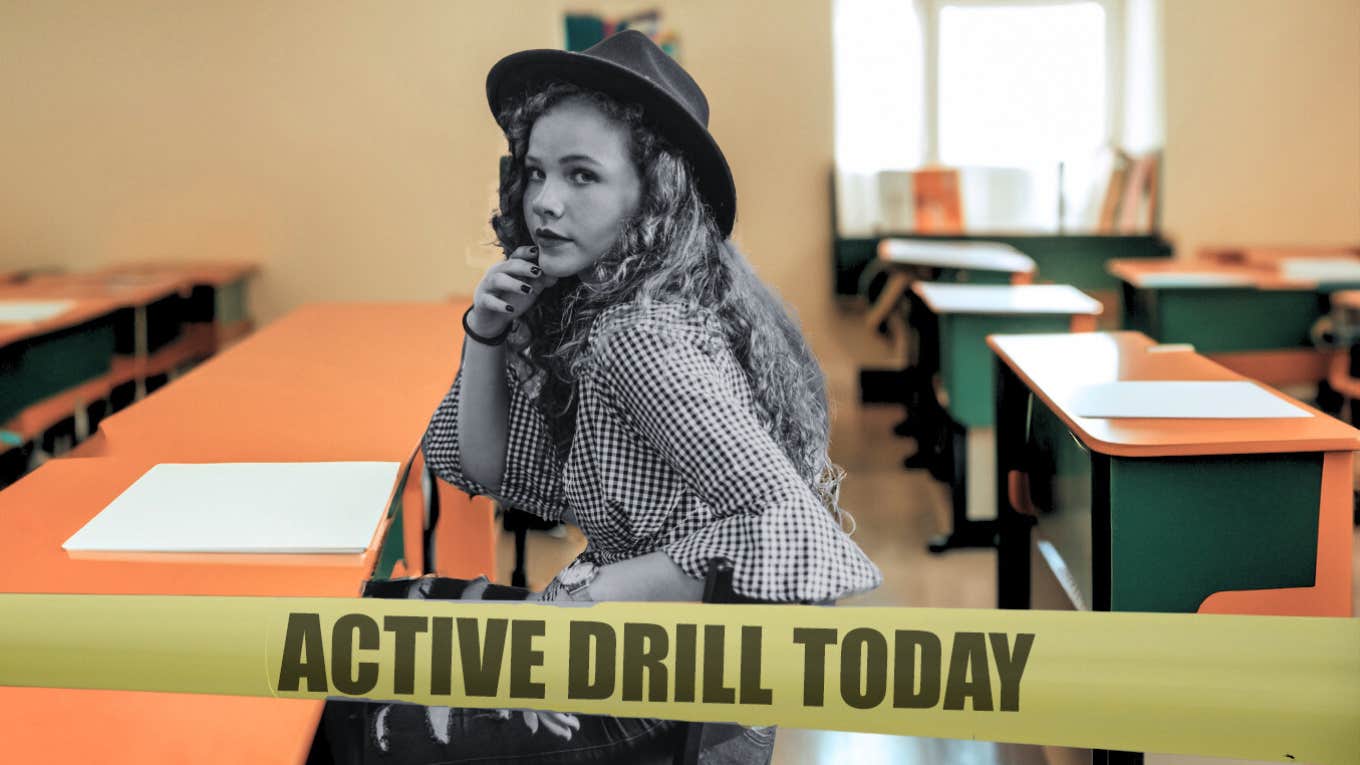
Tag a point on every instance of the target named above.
point(1237, 400)
point(1189, 279)
point(18, 311)
point(1323, 270)
point(275, 507)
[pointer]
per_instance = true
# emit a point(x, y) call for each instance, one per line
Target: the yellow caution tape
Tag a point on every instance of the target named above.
point(1264, 688)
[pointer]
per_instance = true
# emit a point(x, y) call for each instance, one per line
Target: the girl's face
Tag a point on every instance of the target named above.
point(581, 186)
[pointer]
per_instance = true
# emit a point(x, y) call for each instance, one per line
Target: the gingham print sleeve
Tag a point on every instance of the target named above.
point(784, 545)
point(533, 473)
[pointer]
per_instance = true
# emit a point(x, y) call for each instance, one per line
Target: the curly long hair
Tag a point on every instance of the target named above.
point(670, 251)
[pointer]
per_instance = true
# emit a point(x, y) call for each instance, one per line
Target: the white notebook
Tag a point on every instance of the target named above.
point(278, 507)
point(18, 311)
point(1181, 400)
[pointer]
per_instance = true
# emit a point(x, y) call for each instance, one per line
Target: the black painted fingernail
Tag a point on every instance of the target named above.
point(535, 270)
point(534, 250)
point(510, 308)
point(526, 289)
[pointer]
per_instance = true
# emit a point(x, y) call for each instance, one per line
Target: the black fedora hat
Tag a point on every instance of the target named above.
point(631, 68)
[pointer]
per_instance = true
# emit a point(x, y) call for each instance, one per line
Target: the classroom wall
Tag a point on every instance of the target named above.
point(1262, 122)
point(346, 144)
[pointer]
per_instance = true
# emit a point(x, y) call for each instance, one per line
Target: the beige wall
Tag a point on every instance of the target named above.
point(347, 145)
point(1262, 122)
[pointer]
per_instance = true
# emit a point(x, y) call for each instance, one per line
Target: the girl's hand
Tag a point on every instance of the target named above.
point(507, 290)
point(559, 724)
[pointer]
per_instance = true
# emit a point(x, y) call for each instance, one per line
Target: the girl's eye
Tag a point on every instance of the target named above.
point(583, 176)
point(535, 174)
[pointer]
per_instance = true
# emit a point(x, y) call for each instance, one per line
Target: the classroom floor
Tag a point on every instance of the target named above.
point(893, 533)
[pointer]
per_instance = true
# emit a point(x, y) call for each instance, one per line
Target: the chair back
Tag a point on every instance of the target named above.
point(692, 736)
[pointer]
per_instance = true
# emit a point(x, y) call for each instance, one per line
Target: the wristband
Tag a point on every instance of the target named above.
point(496, 340)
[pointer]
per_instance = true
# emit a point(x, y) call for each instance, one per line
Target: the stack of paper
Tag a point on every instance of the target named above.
point(1321, 269)
point(1191, 279)
point(19, 311)
point(292, 507)
point(1179, 399)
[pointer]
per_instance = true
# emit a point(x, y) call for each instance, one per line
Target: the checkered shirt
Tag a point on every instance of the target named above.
point(668, 454)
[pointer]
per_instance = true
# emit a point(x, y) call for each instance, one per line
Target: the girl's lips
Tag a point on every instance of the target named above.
point(548, 236)
point(551, 242)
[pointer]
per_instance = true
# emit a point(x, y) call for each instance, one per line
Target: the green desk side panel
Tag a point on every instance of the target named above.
point(393, 549)
point(850, 256)
point(966, 361)
point(1184, 528)
point(230, 302)
point(1181, 528)
point(43, 366)
point(1225, 320)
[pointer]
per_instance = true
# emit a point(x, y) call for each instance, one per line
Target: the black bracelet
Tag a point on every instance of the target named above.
point(497, 340)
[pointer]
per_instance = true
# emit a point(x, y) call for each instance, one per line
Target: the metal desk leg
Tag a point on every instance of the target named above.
point(965, 532)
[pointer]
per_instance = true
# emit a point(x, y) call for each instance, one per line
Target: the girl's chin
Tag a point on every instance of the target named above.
point(560, 267)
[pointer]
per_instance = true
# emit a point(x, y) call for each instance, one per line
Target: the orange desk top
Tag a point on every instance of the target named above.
point(1265, 275)
point(1054, 365)
point(319, 384)
point(1272, 255)
point(131, 291)
point(43, 509)
point(326, 382)
point(1347, 299)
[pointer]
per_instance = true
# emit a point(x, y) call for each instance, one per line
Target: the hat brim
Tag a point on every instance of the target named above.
point(519, 74)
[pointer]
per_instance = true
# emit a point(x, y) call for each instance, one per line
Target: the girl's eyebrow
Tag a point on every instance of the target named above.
point(567, 159)
point(578, 158)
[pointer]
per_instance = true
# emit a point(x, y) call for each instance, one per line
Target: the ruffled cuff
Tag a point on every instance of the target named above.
point(791, 552)
point(440, 443)
point(532, 477)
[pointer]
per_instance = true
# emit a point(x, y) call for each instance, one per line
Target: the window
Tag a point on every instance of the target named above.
point(1021, 84)
point(1003, 89)
point(879, 85)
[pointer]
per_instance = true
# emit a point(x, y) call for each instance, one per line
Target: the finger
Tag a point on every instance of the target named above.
point(509, 288)
point(531, 720)
point(485, 300)
point(566, 719)
point(553, 726)
point(475, 589)
point(526, 269)
point(527, 252)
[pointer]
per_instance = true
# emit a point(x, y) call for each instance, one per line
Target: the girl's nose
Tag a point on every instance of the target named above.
point(548, 202)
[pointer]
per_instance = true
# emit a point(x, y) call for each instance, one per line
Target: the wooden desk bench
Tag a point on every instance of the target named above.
point(327, 382)
point(51, 369)
point(1248, 317)
point(960, 318)
point(909, 260)
point(1156, 514)
point(148, 327)
point(217, 307)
